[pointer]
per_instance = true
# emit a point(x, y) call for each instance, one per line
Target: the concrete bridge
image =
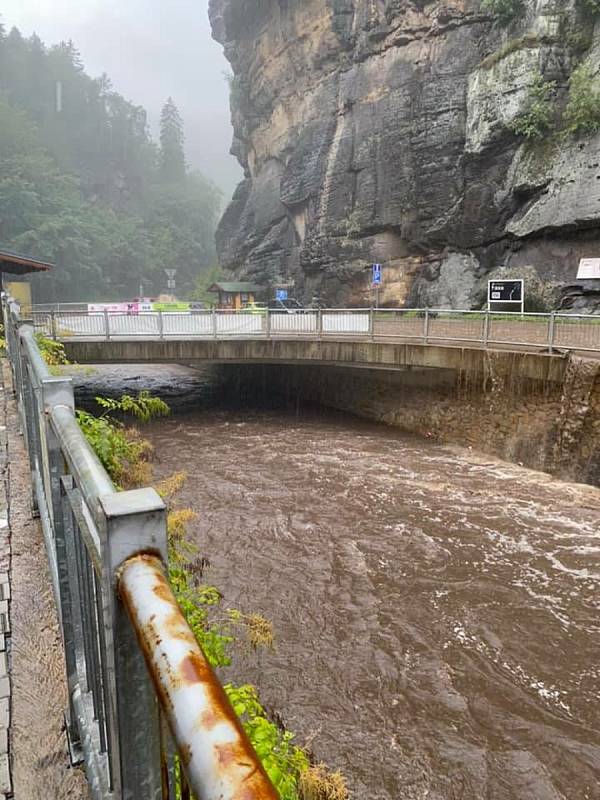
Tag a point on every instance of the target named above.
point(358, 338)
point(390, 356)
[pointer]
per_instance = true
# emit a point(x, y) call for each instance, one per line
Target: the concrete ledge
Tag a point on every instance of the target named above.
point(359, 354)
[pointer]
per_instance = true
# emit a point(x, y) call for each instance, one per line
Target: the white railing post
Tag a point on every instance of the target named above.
point(214, 323)
point(426, 326)
point(161, 329)
point(320, 323)
point(268, 323)
point(486, 328)
point(106, 325)
point(551, 331)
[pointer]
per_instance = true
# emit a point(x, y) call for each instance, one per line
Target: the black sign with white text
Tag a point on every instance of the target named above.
point(505, 291)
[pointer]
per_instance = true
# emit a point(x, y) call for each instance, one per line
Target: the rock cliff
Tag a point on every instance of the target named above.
point(383, 131)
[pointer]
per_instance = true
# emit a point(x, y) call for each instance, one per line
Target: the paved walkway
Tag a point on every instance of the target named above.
point(39, 762)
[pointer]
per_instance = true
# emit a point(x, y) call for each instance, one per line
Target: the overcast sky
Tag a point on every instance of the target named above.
point(150, 49)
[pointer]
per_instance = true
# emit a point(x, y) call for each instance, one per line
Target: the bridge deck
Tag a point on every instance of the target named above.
point(464, 328)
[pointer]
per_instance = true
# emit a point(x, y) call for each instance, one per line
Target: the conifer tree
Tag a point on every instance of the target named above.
point(172, 157)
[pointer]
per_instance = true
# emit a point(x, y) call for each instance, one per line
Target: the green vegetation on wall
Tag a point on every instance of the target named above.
point(83, 184)
point(582, 114)
point(536, 121)
point(591, 5)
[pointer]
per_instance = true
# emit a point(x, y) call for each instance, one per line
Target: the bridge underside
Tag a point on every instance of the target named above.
point(363, 355)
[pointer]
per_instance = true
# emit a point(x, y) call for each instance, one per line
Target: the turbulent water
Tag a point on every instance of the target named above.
point(436, 613)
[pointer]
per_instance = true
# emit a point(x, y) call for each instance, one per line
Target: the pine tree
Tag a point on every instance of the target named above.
point(172, 158)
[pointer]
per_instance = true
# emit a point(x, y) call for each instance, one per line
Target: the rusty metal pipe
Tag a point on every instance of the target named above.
point(216, 754)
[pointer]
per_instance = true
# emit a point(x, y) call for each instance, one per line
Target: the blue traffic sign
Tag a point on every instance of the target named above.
point(377, 275)
point(281, 294)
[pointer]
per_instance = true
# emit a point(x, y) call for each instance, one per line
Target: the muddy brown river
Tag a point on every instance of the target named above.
point(436, 612)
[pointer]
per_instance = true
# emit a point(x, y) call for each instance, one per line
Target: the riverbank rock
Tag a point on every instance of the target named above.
point(381, 132)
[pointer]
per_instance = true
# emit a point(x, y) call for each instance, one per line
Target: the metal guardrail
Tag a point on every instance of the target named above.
point(147, 715)
point(550, 332)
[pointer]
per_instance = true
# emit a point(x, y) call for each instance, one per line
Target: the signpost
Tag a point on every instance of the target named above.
point(509, 292)
point(170, 273)
point(377, 281)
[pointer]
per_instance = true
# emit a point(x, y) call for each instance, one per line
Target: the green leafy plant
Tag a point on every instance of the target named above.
point(284, 762)
point(143, 407)
point(504, 10)
point(122, 452)
point(535, 122)
point(52, 352)
point(582, 114)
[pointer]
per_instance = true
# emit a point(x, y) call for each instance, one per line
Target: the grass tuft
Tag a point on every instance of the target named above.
point(317, 783)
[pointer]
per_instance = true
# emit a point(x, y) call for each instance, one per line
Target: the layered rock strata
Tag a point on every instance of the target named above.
point(381, 131)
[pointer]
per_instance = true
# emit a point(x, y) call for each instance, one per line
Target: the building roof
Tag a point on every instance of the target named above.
point(234, 287)
point(18, 264)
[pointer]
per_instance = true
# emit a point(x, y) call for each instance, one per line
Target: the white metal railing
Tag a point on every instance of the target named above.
point(134, 668)
point(556, 331)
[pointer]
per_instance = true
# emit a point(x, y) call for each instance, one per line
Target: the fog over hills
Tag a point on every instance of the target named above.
point(151, 50)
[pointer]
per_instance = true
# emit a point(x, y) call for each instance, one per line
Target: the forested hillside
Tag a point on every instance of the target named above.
point(83, 184)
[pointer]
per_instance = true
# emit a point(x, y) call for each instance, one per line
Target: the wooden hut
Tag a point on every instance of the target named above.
point(232, 295)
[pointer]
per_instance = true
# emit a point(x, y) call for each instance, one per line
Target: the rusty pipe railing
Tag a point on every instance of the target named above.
point(217, 756)
point(131, 659)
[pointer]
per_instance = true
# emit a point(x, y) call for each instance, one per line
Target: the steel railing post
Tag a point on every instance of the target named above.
point(426, 326)
point(320, 323)
point(268, 323)
point(68, 581)
point(214, 323)
point(53, 325)
point(551, 331)
point(134, 522)
point(58, 391)
point(106, 325)
point(29, 422)
point(161, 329)
point(372, 324)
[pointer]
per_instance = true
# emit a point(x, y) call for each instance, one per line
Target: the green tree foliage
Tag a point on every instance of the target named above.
point(203, 283)
point(83, 185)
point(504, 10)
point(591, 5)
point(535, 122)
point(172, 157)
point(582, 114)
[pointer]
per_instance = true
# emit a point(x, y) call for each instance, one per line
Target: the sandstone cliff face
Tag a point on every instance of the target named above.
point(379, 130)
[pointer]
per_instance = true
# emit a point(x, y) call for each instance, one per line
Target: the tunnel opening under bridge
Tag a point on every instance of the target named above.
point(500, 412)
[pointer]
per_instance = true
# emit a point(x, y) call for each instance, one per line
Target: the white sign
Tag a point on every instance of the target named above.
point(589, 269)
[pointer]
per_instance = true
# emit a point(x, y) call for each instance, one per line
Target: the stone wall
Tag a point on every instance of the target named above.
point(545, 425)
point(379, 131)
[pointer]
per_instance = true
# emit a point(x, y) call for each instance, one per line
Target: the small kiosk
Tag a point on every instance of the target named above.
point(232, 296)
